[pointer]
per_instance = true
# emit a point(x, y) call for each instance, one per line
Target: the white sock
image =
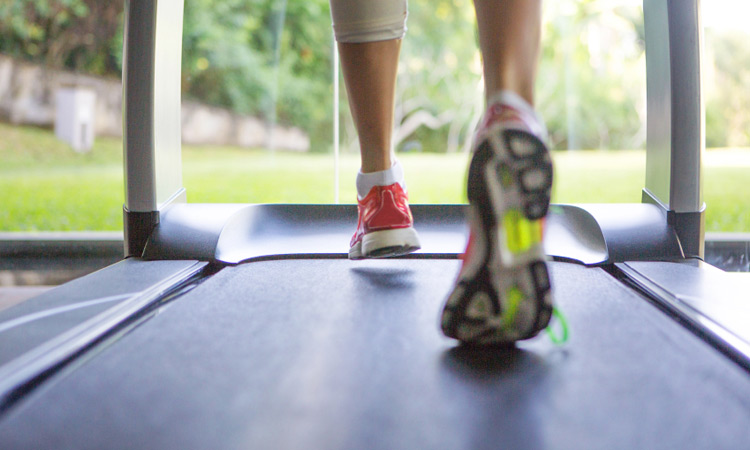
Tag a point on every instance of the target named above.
point(514, 100)
point(366, 181)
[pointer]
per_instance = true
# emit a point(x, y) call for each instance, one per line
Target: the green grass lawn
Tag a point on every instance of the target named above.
point(45, 186)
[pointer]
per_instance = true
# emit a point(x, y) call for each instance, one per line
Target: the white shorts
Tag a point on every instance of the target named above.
point(356, 21)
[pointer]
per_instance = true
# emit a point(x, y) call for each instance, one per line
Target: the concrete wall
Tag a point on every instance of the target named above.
point(206, 125)
point(27, 97)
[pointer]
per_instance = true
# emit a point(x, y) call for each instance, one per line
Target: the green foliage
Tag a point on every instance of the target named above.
point(273, 59)
point(591, 86)
point(262, 57)
point(73, 34)
point(439, 75)
point(28, 27)
point(728, 96)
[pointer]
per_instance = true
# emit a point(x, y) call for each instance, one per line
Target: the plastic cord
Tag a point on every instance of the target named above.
point(558, 340)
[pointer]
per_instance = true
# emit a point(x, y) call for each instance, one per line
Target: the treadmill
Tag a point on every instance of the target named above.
point(240, 326)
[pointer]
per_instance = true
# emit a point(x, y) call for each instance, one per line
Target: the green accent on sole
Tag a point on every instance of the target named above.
point(520, 233)
point(506, 179)
point(515, 297)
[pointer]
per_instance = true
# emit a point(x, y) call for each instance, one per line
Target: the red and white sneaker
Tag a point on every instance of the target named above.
point(385, 227)
point(502, 293)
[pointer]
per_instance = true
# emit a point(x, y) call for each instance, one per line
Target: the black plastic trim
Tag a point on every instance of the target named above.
point(690, 228)
point(138, 227)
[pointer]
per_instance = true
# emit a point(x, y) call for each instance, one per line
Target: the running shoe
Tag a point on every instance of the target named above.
point(502, 293)
point(385, 227)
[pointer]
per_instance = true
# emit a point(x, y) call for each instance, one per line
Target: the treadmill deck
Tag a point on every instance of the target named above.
point(340, 354)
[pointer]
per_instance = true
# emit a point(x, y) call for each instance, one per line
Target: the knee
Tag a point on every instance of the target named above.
point(357, 21)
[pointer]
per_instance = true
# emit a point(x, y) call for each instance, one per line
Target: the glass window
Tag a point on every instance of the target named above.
point(258, 101)
point(258, 115)
point(60, 115)
point(726, 72)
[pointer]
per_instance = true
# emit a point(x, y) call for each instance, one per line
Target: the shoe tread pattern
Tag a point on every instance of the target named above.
point(522, 156)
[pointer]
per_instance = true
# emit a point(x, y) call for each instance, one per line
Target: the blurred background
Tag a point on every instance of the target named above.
point(258, 106)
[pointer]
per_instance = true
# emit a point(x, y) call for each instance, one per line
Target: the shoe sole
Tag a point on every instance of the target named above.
point(510, 181)
point(386, 244)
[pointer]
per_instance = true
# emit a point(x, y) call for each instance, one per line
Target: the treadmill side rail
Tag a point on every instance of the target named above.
point(714, 303)
point(44, 333)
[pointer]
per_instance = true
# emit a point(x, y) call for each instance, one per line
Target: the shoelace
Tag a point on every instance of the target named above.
point(563, 337)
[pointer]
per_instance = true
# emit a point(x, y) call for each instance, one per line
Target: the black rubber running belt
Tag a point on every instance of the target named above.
point(338, 355)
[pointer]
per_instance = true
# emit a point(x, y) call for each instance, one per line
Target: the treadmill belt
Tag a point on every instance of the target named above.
point(333, 354)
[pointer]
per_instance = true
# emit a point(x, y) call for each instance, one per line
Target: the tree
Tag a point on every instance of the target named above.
point(591, 87)
point(262, 57)
point(73, 34)
point(727, 97)
point(273, 59)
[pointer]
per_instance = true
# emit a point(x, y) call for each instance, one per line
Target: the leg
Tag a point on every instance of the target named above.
point(369, 70)
point(503, 292)
point(509, 38)
point(369, 40)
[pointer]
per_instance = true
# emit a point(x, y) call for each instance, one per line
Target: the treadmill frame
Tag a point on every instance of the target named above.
point(160, 225)
point(153, 173)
